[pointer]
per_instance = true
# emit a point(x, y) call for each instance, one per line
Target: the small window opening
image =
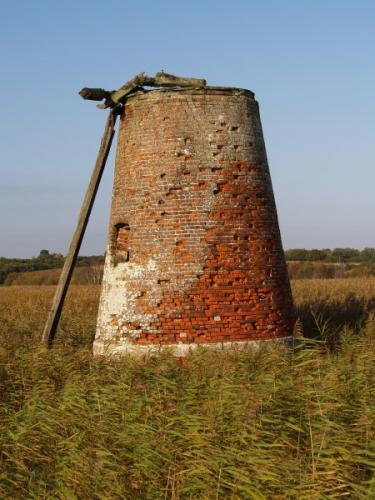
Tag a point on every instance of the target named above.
point(121, 242)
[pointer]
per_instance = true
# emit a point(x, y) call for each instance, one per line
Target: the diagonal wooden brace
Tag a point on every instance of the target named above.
point(70, 261)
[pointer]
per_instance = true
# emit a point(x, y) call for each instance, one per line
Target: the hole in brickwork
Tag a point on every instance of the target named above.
point(161, 202)
point(162, 281)
point(186, 172)
point(217, 189)
point(219, 146)
point(214, 169)
point(120, 242)
point(250, 144)
point(162, 175)
point(215, 153)
point(234, 128)
point(236, 146)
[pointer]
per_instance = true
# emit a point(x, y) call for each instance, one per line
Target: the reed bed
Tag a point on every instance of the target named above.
point(273, 423)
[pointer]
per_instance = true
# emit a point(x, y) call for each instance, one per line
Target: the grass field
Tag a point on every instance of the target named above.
point(276, 423)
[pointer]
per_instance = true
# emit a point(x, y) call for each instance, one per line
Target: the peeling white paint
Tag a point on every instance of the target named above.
point(118, 302)
point(122, 288)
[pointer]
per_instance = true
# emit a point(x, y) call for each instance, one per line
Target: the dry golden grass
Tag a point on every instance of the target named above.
point(333, 289)
point(326, 307)
point(276, 423)
point(84, 275)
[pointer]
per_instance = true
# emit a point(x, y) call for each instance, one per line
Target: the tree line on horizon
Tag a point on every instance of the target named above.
point(45, 260)
point(336, 255)
point(302, 263)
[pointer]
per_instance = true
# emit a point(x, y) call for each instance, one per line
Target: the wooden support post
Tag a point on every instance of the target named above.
point(69, 264)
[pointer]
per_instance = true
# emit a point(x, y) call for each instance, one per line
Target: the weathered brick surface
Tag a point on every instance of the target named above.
point(194, 252)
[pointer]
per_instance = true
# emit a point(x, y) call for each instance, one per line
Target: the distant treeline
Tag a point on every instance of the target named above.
point(337, 255)
point(45, 260)
point(330, 263)
point(302, 264)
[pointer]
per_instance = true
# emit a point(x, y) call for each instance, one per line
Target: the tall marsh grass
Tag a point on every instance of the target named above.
point(267, 424)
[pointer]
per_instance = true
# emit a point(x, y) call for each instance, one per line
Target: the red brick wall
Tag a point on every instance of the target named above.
point(194, 252)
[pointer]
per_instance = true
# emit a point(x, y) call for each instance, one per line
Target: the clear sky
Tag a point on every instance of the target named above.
point(311, 65)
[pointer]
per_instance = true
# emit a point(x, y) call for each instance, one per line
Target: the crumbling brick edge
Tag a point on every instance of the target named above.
point(110, 349)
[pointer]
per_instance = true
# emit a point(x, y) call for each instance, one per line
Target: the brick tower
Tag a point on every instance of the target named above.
point(194, 252)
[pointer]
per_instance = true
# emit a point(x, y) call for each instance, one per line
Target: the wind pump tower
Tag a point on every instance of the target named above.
point(194, 254)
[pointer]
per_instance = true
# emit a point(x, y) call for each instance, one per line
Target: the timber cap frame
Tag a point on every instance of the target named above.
point(161, 81)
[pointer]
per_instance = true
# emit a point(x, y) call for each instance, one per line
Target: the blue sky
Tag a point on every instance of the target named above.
point(311, 65)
